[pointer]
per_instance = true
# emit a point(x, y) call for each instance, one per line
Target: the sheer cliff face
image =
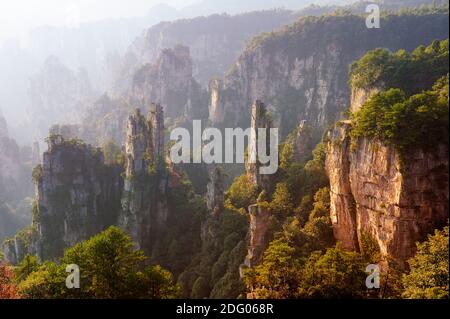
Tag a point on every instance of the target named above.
point(10, 167)
point(301, 72)
point(396, 203)
point(15, 183)
point(144, 205)
point(215, 41)
point(169, 81)
point(57, 95)
point(10, 170)
point(77, 196)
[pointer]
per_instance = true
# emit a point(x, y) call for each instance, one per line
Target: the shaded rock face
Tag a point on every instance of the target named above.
point(169, 81)
point(214, 201)
point(106, 120)
point(215, 191)
point(259, 214)
point(77, 196)
point(259, 235)
point(397, 202)
point(15, 183)
point(259, 119)
point(301, 73)
point(144, 205)
point(303, 142)
point(10, 166)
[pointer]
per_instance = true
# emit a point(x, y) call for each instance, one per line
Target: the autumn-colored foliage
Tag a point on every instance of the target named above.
point(7, 287)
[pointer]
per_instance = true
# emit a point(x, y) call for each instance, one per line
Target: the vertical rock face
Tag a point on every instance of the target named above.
point(214, 201)
point(360, 96)
point(144, 203)
point(301, 72)
point(216, 110)
point(35, 154)
point(259, 213)
point(259, 235)
point(77, 196)
point(259, 119)
point(373, 193)
point(15, 184)
point(215, 40)
point(169, 81)
point(343, 206)
point(157, 131)
point(215, 191)
point(303, 142)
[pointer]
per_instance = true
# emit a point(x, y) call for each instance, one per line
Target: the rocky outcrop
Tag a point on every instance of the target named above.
point(303, 142)
point(77, 196)
point(144, 204)
point(259, 234)
point(15, 183)
point(372, 193)
point(169, 81)
point(215, 41)
point(214, 202)
point(378, 195)
point(301, 72)
point(215, 191)
point(260, 118)
point(359, 96)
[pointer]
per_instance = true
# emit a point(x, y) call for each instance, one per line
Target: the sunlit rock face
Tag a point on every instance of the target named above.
point(374, 192)
point(259, 234)
point(371, 192)
point(301, 72)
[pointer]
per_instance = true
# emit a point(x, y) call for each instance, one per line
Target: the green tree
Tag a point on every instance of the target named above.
point(282, 202)
point(200, 289)
point(276, 276)
point(428, 278)
point(335, 274)
point(110, 268)
point(107, 262)
point(242, 193)
point(28, 265)
point(156, 283)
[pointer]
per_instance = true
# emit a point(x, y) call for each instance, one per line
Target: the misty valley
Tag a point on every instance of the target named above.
point(254, 150)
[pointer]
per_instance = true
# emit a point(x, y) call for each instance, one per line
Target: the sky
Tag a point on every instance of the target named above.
point(18, 16)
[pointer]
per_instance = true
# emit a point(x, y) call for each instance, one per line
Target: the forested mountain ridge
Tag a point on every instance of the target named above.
point(301, 72)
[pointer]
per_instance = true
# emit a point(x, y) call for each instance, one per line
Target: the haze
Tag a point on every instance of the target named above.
point(19, 16)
